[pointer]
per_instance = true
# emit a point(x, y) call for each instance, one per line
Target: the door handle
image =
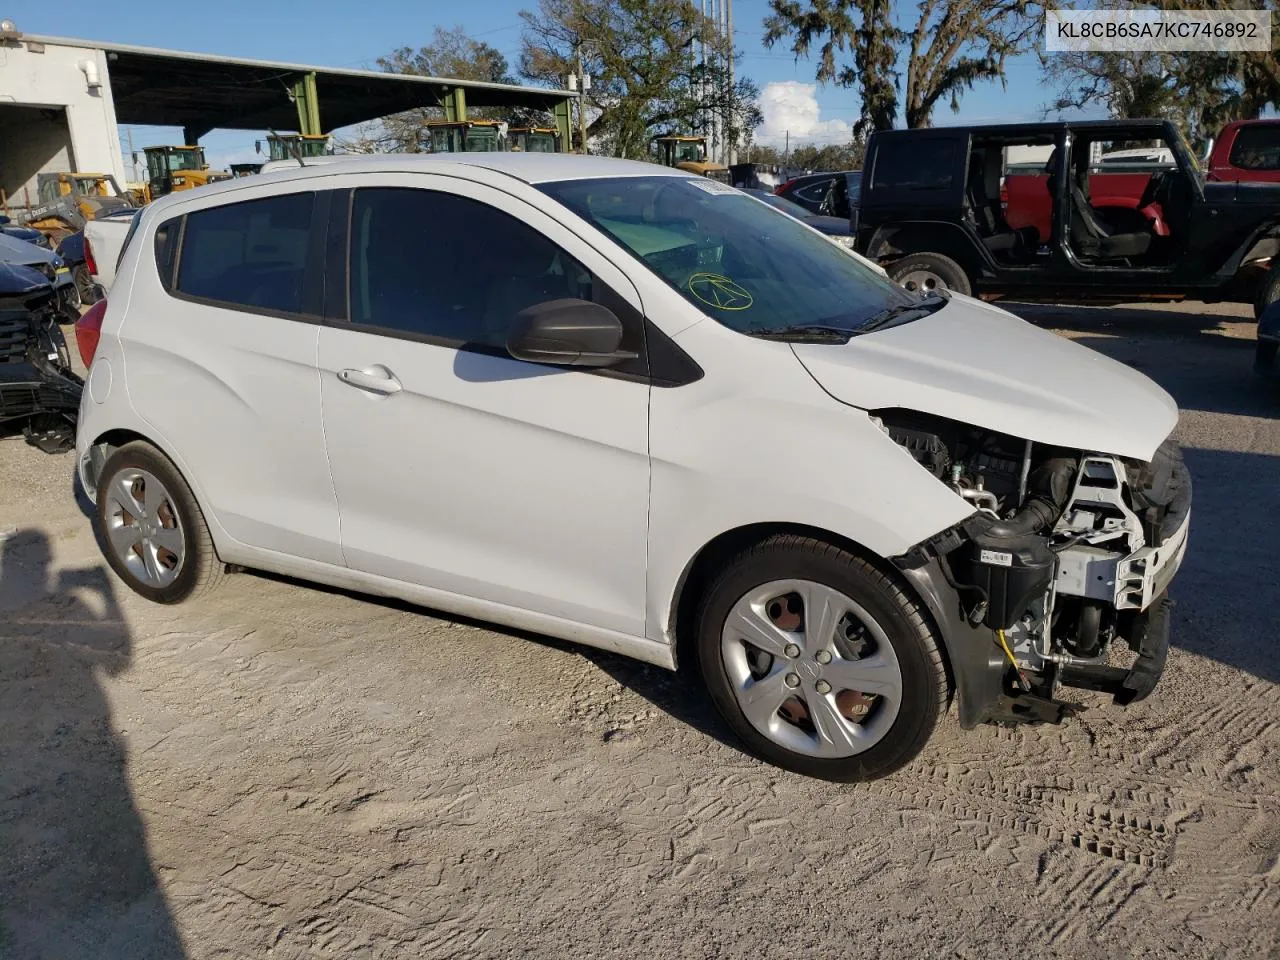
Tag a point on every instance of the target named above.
point(383, 383)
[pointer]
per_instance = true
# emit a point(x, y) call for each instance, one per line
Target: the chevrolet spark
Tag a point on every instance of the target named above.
point(640, 410)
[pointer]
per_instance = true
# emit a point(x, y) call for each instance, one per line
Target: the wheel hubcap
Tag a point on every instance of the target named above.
point(811, 669)
point(143, 527)
point(921, 281)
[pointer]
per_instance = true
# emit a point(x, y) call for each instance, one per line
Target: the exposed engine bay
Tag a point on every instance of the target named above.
point(1066, 559)
point(39, 392)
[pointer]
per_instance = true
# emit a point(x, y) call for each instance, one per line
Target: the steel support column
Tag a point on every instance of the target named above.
point(307, 100)
point(455, 104)
point(564, 127)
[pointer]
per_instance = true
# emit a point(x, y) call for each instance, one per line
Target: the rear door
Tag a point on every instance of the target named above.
point(457, 467)
point(223, 365)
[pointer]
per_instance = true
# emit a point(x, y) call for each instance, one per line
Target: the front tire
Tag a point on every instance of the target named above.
point(926, 273)
point(820, 662)
point(150, 527)
point(1268, 290)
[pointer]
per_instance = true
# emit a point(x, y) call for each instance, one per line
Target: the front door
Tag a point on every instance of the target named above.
point(457, 467)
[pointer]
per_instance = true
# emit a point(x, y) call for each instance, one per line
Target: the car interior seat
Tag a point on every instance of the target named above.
point(982, 186)
point(1091, 237)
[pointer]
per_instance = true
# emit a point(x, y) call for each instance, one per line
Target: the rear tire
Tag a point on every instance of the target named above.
point(856, 705)
point(84, 284)
point(151, 529)
point(926, 272)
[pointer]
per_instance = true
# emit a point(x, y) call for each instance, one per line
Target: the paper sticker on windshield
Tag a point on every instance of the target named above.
point(719, 292)
point(707, 185)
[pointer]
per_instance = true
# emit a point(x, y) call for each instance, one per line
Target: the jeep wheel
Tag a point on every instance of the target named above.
point(926, 272)
point(1268, 290)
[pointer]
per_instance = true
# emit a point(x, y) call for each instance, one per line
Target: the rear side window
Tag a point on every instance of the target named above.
point(166, 249)
point(250, 255)
point(814, 192)
point(1257, 148)
point(914, 164)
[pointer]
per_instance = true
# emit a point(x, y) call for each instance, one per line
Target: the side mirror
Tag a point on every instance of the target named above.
point(569, 333)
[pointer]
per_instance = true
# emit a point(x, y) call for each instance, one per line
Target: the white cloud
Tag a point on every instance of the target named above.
point(789, 105)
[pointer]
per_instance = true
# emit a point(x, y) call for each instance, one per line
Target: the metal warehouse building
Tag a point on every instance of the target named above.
point(61, 100)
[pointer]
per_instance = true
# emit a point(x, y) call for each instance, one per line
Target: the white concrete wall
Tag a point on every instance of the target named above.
point(50, 75)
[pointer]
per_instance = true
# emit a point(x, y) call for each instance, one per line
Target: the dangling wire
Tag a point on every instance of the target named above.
point(1022, 679)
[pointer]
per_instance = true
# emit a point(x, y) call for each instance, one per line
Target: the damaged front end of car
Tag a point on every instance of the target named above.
point(39, 392)
point(1060, 576)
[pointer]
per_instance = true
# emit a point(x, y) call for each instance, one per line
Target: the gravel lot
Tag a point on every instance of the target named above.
point(285, 770)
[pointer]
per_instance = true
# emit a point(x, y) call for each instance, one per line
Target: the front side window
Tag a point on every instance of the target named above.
point(1257, 148)
point(460, 275)
point(251, 254)
point(752, 268)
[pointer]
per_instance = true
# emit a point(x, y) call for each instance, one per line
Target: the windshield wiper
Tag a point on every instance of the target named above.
point(905, 312)
point(812, 331)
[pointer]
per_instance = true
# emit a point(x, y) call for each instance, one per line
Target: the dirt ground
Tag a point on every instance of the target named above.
point(288, 771)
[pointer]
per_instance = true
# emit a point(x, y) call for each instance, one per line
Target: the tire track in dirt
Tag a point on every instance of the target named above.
point(1104, 821)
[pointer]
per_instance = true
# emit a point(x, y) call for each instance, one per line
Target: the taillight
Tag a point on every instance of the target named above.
point(89, 331)
point(781, 188)
point(88, 257)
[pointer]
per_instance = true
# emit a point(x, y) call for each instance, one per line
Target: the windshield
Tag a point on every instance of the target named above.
point(688, 151)
point(753, 269)
point(184, 160)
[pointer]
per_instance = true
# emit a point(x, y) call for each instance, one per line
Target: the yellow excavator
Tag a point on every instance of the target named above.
point(465, 136)
point(290, 146)
point(533, 139)
point(171, 169)
point(690, 153)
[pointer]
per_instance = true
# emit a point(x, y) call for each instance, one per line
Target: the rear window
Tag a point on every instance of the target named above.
point(917, 163)
point(1257, 148)
point(249, 255)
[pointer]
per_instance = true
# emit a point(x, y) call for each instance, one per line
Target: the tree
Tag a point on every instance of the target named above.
point(1131, 84)
point(1200, 91)
point(953, 45)
point(453, 54)
point(648, 73)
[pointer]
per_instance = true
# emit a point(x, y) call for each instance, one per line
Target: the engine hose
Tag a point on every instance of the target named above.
point(979, 610)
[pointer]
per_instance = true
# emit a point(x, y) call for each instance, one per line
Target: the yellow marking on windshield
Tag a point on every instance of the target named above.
point(719, 292)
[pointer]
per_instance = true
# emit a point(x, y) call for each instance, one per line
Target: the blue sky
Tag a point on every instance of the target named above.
point(345, 34)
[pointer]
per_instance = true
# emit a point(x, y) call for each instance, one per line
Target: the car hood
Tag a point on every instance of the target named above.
point(13, 250)
point(977, 364)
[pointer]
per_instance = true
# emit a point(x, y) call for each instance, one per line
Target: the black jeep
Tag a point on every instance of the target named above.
point(1065, 211)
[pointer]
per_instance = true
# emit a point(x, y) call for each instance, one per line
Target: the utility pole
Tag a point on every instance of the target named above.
point(581, 82)
point(731, 150)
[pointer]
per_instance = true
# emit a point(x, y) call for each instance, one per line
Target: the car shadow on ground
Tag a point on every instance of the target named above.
point(1227, 593)
point(77, 879)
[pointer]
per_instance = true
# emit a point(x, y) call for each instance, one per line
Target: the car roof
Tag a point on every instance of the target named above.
point(530, 167)
point(1051, 126)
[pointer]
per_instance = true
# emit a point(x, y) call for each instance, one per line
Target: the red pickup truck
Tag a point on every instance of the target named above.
point(1246, 150)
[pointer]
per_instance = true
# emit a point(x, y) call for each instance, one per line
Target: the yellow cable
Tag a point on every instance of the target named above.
point(1004, 645)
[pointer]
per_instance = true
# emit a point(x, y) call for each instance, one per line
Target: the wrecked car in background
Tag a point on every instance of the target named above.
point(39, 392)
point(50, 266)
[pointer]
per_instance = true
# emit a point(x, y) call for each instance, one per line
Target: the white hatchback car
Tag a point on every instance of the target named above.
point(634, 408)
